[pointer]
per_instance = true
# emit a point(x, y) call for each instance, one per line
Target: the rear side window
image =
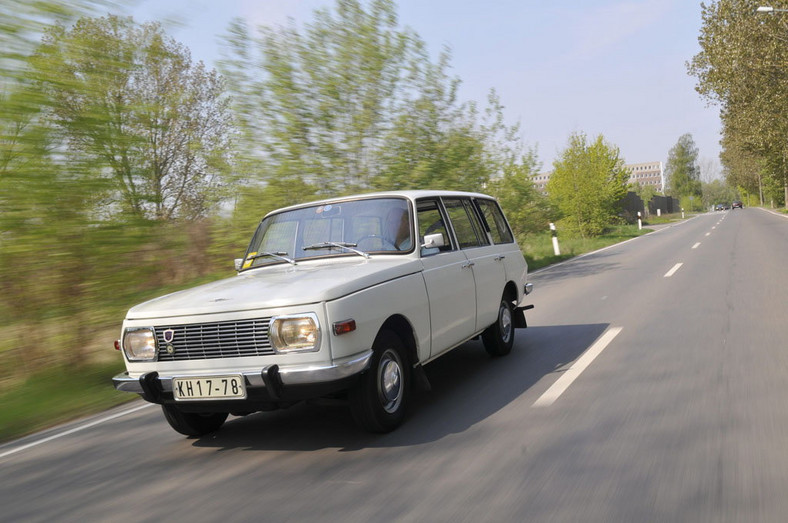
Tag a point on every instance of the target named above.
point(465, 221)
point(499, 229)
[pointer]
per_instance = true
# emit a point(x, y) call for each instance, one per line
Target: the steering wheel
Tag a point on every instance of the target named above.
point(383, 240)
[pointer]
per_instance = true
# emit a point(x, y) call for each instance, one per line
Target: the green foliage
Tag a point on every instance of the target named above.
point(57, 395)
point(682, 171)
point(64, 248)
point(588, 181)
point(316, 104)
point(741, 68)
point(527, 210)
point(714, 192)
point(130, 99)
point(353, 103)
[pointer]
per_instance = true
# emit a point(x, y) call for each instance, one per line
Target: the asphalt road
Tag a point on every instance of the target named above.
point(643, 390)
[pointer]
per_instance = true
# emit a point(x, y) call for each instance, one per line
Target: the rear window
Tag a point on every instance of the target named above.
point(493, 215)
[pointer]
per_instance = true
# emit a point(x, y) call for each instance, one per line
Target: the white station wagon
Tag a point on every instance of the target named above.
point(346, 297)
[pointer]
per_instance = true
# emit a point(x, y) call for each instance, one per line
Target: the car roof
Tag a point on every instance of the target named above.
point(411, 195)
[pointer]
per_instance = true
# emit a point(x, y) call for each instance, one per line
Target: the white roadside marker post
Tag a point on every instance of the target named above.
point(640, 221)
point(554, 234)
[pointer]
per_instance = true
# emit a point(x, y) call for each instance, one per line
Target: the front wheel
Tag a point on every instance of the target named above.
point(498, 338)
point(379, 398)
point(193, 423)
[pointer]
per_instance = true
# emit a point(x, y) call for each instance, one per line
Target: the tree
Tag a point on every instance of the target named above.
point(717, 191)
point(315, 105)
point(682, 171)
point(588, 181)
point(130, 98)
point(741, 68)
point(41, 199)
point(742, 168)
point(353, 102)
point(527, 210)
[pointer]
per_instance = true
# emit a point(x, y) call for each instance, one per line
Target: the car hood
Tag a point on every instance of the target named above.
point(279, 285)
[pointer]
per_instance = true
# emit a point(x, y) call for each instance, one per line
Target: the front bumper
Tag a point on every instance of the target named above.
point(272, 383)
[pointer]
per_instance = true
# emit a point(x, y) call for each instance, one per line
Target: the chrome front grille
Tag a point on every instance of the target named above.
point(227, 339)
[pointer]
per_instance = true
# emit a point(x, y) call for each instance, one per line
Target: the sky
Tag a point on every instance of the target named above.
point(610, 67)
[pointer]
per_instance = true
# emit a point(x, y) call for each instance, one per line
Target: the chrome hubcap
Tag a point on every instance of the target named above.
point(505, 319)
point(390, 381)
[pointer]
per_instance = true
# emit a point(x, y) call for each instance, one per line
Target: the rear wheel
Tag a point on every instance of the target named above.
point(193, 423)
point(379, 398)
point(498, 338)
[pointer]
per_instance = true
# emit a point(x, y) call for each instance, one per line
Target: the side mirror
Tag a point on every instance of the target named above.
point(238, 262)
point(433, 241)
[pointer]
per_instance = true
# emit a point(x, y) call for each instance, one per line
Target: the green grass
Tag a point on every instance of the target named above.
point(666, 218)
point(61, 394)
point(539, 249)
point(57, 395)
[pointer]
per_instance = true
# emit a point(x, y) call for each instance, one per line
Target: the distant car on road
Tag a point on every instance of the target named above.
point(719, 207)
point(738, 204)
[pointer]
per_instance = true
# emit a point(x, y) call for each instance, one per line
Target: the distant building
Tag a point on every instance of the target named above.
point(540, 181)
point(650, 173)
point(643, 174)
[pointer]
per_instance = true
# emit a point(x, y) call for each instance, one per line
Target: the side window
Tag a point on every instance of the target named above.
point(465, 221)
point(431, 222)
point(499, 229)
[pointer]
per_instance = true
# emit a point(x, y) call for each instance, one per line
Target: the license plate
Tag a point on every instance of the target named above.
point(209, 388)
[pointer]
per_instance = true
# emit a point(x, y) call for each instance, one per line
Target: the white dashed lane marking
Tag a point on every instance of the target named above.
point(672, 271)
point(571, 374)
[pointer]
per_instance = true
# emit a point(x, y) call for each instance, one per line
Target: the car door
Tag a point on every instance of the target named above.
point(449, 280)
point(506, 249)
point(485, 258)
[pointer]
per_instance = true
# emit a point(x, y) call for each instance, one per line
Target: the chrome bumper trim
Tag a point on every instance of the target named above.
point(297, 375)
point(291, 375)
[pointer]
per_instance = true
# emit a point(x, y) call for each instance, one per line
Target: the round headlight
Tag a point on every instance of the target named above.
point(295, 333)
point(139, 344)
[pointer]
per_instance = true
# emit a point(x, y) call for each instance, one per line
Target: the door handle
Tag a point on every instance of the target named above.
point(499, 258)
point(468, 264)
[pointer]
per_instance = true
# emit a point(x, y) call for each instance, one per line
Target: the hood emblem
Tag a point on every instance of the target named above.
point(169, 335)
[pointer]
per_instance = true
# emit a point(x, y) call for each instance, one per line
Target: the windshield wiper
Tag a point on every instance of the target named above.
point(339, 245)
point(279, 255)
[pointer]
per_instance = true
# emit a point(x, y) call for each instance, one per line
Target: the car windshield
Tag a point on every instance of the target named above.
point(351, 228)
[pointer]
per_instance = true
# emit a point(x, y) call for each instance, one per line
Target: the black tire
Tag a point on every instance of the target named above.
point(379, 399)
point(498, 338)
point(193, 423)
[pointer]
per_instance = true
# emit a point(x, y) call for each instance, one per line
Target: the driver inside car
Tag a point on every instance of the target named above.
point(397, 229)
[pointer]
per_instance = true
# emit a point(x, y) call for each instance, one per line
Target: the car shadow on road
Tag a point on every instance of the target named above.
point(467, 388)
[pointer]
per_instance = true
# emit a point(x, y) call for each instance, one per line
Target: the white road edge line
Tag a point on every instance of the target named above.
point(581, 256)
point(563, 383)
point(75, 429)
point(672, 271)
point(772, 212)
point(696, 245)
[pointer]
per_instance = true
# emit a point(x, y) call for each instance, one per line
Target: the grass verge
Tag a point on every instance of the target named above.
point(57, 395)
point(539, 249)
